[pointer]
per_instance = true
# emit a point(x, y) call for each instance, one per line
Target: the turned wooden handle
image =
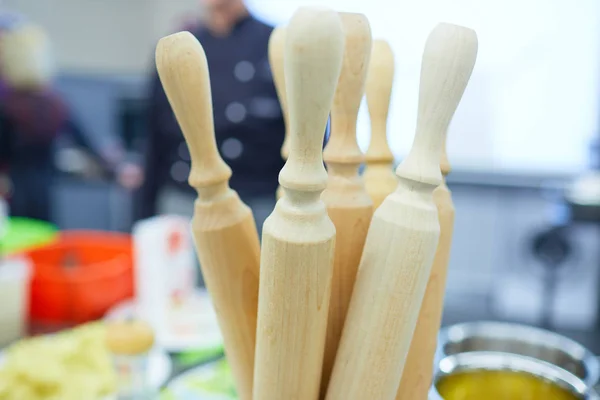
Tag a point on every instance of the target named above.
point(380, 80)
point(298, 237)
point(310, 78)
point(224, 229)
point(342, 145)
point(448, 61)
point(183, 72)
point(276, 53)
point(380, 179)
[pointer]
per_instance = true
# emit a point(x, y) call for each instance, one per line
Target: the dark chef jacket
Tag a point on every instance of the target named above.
point(249, 125)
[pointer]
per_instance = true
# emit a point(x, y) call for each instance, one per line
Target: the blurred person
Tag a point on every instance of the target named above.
point(32, 117)
point(8, 21)
point(248, 120)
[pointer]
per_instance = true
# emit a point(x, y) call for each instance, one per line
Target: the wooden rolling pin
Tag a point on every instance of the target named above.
point(418, 371)
point(276, 51)
point(379, 176)
point(348, 204)
point(298, 237)
point(224, 229)
point(403, 235)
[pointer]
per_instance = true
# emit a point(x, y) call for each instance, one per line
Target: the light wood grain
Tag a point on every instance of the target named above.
point(276, 52)
point(224, 229)
point(403, 235)
point(298, 237)
point(417, 376)
point(379, 176)
point(348, 204)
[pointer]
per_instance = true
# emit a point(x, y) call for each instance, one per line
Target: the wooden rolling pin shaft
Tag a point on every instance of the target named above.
point(418, 371)
point(348, 204)
point(224, 229)
point(298, 237)
point(403, 235)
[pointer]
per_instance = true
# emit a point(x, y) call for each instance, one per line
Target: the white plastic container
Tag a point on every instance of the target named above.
point(15, 277)
point(165, 273)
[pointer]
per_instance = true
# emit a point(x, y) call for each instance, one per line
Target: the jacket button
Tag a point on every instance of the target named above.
point(232, 148)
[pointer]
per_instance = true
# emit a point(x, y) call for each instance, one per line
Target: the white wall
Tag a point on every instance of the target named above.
point(532, 103)
point(104, 36)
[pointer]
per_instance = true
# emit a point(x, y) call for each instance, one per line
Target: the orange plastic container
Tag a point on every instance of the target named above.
point(78, 277)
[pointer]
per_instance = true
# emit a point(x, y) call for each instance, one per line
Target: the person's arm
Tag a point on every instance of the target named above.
point(110, 157)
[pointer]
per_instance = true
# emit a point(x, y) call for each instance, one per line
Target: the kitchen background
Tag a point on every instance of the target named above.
point(524, 130)
point(526, 133)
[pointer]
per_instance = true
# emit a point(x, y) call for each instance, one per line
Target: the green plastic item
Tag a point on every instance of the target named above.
point(208, 382)
point(220, 381)
point(23, 234)
point(199, 356)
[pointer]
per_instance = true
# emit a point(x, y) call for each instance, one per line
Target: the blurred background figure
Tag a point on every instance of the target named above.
point(33, 116)
point(248, 120)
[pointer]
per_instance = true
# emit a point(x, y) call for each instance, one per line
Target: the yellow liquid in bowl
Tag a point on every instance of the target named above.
point(499, 385)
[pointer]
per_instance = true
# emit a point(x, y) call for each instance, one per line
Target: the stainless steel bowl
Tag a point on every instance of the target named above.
point(497, 361)
point(523, 340)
